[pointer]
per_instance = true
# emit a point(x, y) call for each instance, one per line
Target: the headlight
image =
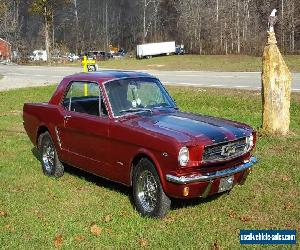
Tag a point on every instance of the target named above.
point(183, 156)
point(250, 141)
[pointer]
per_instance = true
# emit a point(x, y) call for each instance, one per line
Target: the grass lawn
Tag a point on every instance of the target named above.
point(239, 63)
point(41, 212)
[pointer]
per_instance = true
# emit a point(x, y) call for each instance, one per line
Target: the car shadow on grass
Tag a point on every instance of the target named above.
point(176, 204)
point(99, 181)
point(182, 203)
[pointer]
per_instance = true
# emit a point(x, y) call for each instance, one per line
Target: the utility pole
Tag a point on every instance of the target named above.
point(144, 21)
point(217, 11)
point(47, 42)
point(76, 25)
point(106, 26)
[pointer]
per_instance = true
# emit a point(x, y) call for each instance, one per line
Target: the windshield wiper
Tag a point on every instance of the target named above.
point(135, 110)
point(165, 107)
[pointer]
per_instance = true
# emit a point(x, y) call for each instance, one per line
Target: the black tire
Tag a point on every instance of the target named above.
point(91, 68)
point(150, 201)
point(51, 165)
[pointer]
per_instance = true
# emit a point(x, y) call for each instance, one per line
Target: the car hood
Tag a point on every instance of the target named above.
point(191, 128)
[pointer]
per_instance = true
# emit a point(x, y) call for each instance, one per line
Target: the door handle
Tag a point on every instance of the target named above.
point(67, 117)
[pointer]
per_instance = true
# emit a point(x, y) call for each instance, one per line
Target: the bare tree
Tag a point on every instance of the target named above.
point(150, 10)
point(205, 27)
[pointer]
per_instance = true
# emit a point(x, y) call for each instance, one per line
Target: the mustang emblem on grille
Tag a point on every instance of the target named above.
point(228, 150)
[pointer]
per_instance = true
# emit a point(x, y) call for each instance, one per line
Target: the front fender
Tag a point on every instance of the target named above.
point(154, 157)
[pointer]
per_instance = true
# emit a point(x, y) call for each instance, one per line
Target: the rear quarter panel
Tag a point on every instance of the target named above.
point(37, 115)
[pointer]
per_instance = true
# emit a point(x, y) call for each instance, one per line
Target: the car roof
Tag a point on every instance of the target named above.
point(106, 75)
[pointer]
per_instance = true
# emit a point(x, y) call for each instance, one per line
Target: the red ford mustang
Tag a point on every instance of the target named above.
point(124, 126)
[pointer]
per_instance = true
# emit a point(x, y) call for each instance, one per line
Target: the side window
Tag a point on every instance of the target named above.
point(84, 98)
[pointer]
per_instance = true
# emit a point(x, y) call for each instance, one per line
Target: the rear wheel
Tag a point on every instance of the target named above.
point(149, 197)
point(50, 163)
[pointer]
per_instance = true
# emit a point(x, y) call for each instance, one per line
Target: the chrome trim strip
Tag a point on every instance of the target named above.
point(229, 141)
point(210, 176)
point(58, 137)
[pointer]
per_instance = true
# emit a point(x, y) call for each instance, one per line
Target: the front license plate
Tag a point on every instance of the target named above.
point(226, 183)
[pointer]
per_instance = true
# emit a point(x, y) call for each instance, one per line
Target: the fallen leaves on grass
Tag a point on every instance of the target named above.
point(232, 214)
point(107, 218)
point(9, 227)
point(168, 219)
point(143, 242)
point(216, 246)
point(288, 206)
point(39, 215)
point(123, 213)
point(79, 238)
point(286, 178)
point(246, 218)
point(95, 230)
point(58, 240)
point(3, 213)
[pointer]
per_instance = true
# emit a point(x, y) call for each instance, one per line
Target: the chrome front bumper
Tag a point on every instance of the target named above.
point(213, 175)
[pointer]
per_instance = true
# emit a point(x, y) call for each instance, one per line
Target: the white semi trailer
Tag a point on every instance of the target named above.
point(148, 50)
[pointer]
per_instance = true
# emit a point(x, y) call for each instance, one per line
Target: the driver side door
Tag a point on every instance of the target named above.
point(85, 131)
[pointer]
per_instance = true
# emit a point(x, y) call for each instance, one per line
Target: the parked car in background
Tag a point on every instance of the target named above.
point(73, 57)
point(99, 55)
point(39, 55)
point(121, 52)
point(92, 55)
point(179, 49)
point(109, 55)
point(125, 127)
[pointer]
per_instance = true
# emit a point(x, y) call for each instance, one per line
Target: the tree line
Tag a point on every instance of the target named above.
point(203, 26)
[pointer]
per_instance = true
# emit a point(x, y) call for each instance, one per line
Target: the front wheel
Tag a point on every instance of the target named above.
point(149, 197)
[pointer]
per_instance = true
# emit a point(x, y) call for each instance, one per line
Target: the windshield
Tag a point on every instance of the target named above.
point(136, 95)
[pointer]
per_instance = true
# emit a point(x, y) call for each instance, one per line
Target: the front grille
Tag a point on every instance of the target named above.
point(225, 150)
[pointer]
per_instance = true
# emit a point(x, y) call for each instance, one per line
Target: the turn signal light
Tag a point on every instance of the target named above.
point(186, 191)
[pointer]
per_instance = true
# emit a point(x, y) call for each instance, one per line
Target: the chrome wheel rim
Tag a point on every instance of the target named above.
point(147, 191)
point(48, 156)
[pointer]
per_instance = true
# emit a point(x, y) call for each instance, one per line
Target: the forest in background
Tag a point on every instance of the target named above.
point(203, 26)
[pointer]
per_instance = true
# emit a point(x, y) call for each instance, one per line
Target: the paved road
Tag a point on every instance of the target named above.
point(25, 76)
